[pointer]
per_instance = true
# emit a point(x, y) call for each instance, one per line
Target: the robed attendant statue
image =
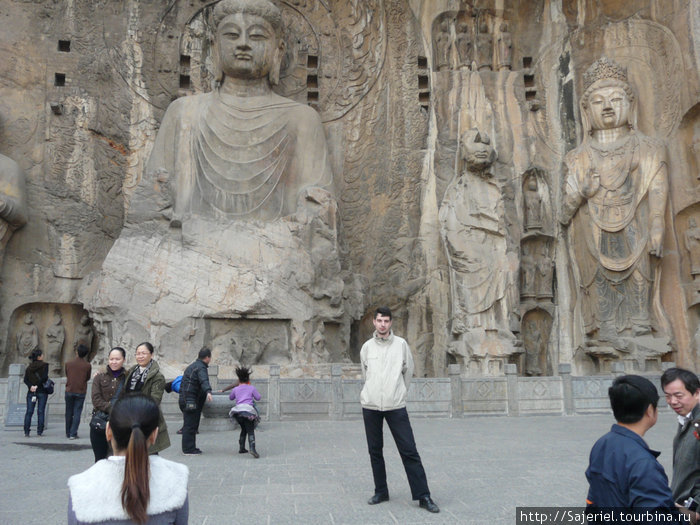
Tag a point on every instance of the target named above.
point(615, 200)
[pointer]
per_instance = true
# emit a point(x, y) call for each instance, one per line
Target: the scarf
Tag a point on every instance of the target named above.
point(138, 378)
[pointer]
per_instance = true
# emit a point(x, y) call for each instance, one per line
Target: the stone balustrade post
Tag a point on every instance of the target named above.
point(214, 377)
point(512, 389)
point(274, 410)
point(567, 386)
point(454, 372)
point(14, 380)
point(336, 392)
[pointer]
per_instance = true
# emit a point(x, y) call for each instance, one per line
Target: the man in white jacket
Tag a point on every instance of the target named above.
point(387, 368)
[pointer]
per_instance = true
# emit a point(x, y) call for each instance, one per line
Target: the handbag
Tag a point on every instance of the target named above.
point(99, 420)
point(48, 385)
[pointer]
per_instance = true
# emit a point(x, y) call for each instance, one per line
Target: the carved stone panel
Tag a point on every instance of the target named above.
point(247, 342)
point(49, 326)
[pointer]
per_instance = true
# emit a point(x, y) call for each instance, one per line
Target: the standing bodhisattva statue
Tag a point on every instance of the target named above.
point(616, 194)
point(240, 151)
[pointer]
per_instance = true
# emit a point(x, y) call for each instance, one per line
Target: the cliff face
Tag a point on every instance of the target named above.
point(397, 83)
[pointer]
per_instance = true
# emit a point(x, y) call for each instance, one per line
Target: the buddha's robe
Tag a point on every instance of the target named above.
point(247, 158)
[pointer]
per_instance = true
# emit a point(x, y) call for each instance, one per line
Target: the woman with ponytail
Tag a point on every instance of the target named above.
point(131, 486)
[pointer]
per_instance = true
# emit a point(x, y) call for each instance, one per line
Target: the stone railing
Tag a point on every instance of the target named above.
point(337, 397)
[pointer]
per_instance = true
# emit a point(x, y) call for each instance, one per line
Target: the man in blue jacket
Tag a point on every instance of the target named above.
point(194, 391)
point(624, 475)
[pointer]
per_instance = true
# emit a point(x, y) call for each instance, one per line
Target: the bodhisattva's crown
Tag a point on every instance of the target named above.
point(603, 68)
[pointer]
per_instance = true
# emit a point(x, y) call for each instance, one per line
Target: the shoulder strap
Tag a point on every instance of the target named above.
point(117, 392)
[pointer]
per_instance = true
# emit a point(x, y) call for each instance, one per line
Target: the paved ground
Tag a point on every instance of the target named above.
point(310, 472)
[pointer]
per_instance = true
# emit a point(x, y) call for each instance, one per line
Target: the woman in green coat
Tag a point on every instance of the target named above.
point(146, 378)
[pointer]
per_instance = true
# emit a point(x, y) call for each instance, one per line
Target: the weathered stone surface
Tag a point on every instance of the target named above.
point(394, 85)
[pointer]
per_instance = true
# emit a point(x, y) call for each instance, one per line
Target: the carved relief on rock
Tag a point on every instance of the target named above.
point(84, 332)
point(13, 201)
point(503, 49)
point(615, 199)
point(484, 48)
point(536, 330)
point(334, 52)
point(27, 336)
point(47, 326)
point(474, 235)
point(55, 337)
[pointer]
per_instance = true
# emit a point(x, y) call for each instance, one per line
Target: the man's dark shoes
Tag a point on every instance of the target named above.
point(428, 504)
point(195, 452)
point(378, 498)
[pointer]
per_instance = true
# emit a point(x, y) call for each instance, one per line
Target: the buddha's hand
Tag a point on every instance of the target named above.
point(656, 237)
point(591, 184)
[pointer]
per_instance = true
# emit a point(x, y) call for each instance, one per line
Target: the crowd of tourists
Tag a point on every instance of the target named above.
point(130, 483)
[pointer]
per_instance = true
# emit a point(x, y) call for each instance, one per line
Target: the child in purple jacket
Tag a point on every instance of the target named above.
point(245, 412)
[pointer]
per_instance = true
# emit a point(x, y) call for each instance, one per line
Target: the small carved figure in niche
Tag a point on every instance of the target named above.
point(545, 274)
point(55, 337)
point(239, 152)
point(13, 201)
point(504, 46)
point(692, 244)
point(484, 48)
point(615, 200)
point(27, 336)
point(443, 43)
point(318, 342)
point(464, 44)
point(84, 332)
point(528, 267)
point(533, 205)
point(532, 341)
point(472, 225)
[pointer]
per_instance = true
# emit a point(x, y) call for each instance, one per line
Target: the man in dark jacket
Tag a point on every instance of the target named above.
point(682, 390)
point(624, 475)
point(77, 376)
point(194, 391)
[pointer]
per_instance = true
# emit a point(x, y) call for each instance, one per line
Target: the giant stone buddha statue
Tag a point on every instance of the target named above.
point(233, 218)
point(239, 152)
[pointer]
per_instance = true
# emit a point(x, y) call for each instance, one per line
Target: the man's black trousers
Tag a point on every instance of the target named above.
point(190, 425)
point(400, 428)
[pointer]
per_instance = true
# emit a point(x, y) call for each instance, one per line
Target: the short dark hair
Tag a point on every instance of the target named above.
point(382, 310)
point(630, 396)
point(36, 353)
point(690, 380)
point(243, 374)
point(148, 346)
point(204, 353)
point(83, 350)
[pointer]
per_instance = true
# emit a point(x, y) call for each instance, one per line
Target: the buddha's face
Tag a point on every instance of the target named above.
point(608, 108)
point(477, 151)
point(247, 45)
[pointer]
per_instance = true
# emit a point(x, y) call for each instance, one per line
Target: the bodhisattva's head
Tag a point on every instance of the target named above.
point(608, 100)
point(248, 40)
point(477, 151)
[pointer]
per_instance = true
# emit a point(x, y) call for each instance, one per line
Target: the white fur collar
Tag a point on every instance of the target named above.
point(96, 492)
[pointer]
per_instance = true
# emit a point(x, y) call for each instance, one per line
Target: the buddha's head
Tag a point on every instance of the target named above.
point(608, 101)
point(249, 43)
point(477, 151)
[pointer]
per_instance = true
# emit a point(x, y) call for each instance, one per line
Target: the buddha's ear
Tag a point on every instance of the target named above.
point(277, 60)
point(216, 61)
point(632, 117)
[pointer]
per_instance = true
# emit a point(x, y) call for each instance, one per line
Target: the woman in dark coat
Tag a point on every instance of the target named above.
point(147, 379)
point(34, 377)
point(105, 386)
